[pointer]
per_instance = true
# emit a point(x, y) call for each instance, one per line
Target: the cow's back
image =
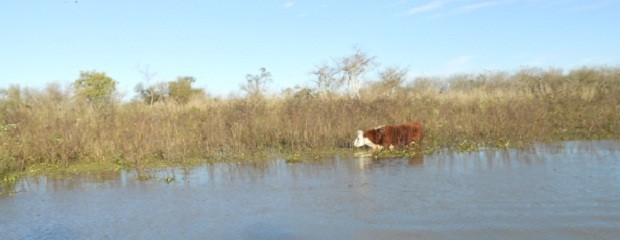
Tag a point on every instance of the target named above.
point(397, 136)
point(409, 133)
point(415, 132)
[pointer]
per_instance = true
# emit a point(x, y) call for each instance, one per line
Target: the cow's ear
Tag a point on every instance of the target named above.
point(360, 133)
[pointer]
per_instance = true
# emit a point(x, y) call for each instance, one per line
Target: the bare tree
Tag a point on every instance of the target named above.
point(353, 68)
point(152, 93)
point(256, 85)
point(391, 78)
point(148, 94)
point(326, 79)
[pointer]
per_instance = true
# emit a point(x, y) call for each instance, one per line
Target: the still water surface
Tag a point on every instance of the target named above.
point(565, 190)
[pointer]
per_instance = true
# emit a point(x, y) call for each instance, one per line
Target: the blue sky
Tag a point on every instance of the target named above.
point(219, 42)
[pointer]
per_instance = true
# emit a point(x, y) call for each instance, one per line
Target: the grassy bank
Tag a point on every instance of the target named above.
point(52, 126)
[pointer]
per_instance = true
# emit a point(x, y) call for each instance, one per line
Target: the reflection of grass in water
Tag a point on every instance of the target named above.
point(144, 177)
point(7, 185)
point(51, 131)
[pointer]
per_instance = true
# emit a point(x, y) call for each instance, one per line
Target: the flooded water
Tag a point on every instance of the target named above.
point(565, 190)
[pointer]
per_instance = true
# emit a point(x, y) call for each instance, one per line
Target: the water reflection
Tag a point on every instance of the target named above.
point(556, 190)
point(371, 162)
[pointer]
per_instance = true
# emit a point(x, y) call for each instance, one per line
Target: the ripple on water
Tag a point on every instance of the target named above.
point(556, 190)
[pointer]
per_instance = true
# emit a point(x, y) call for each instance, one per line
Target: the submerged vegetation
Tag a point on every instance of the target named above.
point(175, 123)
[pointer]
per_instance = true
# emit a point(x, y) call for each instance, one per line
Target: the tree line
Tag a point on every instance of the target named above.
point(343, 77)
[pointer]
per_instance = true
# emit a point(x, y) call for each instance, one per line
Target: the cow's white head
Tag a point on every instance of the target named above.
point(360, 141)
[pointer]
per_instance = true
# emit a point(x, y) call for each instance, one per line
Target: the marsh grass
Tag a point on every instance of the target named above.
point(52, 127)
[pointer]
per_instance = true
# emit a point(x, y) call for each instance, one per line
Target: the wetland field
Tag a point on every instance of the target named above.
point(82, 128)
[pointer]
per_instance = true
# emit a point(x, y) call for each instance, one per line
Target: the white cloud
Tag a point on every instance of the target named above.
point(437, 5)
point(481, 5)
point(426, 7)
point(288, 4)
point(591, 6)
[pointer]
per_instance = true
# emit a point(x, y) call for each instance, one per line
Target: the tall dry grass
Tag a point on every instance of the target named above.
point(491, 109)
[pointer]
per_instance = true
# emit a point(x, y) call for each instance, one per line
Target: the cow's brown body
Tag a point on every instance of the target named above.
point(394, 135)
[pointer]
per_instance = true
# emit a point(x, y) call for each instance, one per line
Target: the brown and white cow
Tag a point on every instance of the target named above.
point(390, 136)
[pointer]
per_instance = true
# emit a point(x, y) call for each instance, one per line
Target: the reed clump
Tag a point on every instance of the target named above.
point(54, 126)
